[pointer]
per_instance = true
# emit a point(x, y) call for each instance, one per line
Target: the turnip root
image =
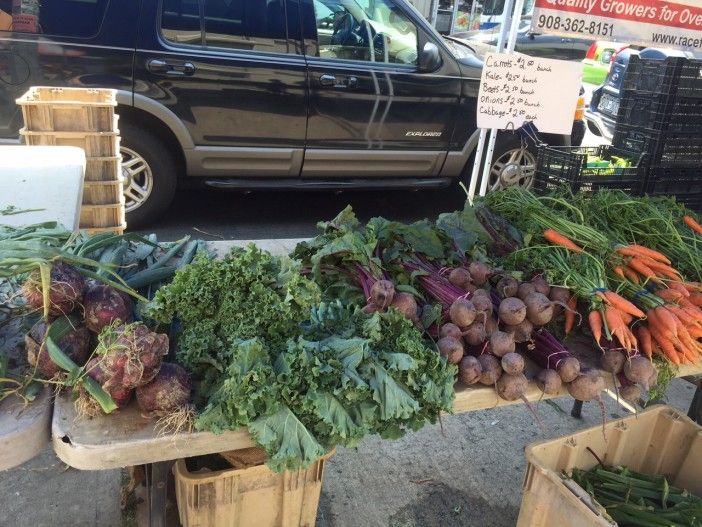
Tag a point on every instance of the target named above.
point(75, 344)
point(382, 293)
point(104, 305)
point(482, 304)
point(512, 363)
point(512, 387)
point(65, 291)
point(131, 355)
point(480, 292)
point(370, 308)
point(540, 285)
point(525, 289)
point(507, 287)
point(480, 272)
point(631, 393)
point(613, 361)
point(450, 330)
point(501, 343)
point(169, 391)
point(549, 382)
point(491, 325)
point(460, 277)
point(475, 334)
point(568, 369)
point(638, 370)
point(451, 348)
point(587, 386)
point(491, 369)
point(521, 332)
point(462, 312)
point(469, 370)
point(512, 311)
point(407, 305)
point(539, 308)
point(560, 295)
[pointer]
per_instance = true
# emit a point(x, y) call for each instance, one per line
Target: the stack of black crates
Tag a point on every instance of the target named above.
point(659, 128)
point(660, 114)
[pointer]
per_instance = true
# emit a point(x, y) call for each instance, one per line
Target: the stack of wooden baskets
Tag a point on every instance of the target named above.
point(84, 118)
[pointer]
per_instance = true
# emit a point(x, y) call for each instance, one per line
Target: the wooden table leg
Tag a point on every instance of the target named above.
point(695, 411)
point(156, 486)
point(577, 410)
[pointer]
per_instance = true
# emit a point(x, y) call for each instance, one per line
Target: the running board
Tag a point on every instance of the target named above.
point(328, 184)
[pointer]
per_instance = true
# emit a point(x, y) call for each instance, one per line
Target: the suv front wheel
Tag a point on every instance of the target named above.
point(512, 164)
point(148, 173)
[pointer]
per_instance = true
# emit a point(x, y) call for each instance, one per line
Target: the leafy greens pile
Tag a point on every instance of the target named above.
point(303, 376)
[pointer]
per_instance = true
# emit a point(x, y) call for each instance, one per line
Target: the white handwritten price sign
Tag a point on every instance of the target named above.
point(660, 23)
point(515, 89)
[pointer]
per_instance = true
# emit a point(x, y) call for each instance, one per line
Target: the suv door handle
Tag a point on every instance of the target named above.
point(327, 80)
point(161, 66)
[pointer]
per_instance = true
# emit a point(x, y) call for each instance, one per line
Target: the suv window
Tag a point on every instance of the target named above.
point(369, 30)
point(63, 18)
point(257, 25)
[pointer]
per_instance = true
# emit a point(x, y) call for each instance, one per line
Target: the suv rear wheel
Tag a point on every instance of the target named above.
point(512, 165)
point(149, 175)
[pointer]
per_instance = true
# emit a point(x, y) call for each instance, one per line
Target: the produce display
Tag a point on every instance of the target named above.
point(631, 498)
point(366, 328)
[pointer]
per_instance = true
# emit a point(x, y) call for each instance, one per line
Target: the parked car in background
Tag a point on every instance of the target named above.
point(598, 60)
point(601, 115)
point(534, 44)
point(246, 94)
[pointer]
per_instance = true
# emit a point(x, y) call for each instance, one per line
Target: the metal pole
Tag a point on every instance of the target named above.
point(454, 15)
point(514, 27)
point(509, 5)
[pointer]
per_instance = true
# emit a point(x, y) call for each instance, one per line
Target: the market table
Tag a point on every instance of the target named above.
point(128, 439)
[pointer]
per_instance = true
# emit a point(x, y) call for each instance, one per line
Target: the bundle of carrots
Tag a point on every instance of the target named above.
point(666, 322)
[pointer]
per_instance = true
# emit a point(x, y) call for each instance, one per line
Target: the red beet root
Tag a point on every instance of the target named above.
point(75, 344)
point(65, 293)
point(104, 305)
point(169, 391)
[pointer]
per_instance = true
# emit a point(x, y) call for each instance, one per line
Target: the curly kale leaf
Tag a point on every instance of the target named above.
point(247, 294)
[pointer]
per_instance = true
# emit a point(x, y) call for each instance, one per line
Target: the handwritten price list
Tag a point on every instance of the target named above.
point(515, 89)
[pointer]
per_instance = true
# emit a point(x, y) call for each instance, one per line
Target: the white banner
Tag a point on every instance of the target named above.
point(657, 23)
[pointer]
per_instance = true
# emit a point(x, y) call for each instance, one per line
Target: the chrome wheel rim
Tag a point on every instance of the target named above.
point(138, 179)
point(513, 168)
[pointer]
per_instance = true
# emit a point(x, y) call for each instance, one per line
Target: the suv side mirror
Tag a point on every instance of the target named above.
point(429, 58)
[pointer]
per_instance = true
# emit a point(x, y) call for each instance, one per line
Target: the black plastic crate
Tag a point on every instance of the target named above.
point(664, 147)
point(685, 114)
point(682, 183)
point(653, 76)
point(645, 110)
point(690, 79)
point(567, 165)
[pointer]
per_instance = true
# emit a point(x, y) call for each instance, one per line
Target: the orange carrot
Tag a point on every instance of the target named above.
point(570, 314)
point(627, 318)
point(631, 275)
point(667, 319)
point(695, 332)
point(682, 315)
point(669, 295)
point(691, 309)
point(645, 339)
point(619, 271)
point(640, 267)
point(666, 346)
point(623, 305)
point(693, 287)
point(696, 299)
point(679, 288)
point(595, 321)
point(616, 326)
point(661, 269)
point(558, 239)
point(654, 323)
point(690, 222)
point(636, 250)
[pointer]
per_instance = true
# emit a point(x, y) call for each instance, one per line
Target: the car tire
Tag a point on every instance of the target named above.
point(512, 164)
point(149, 174)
